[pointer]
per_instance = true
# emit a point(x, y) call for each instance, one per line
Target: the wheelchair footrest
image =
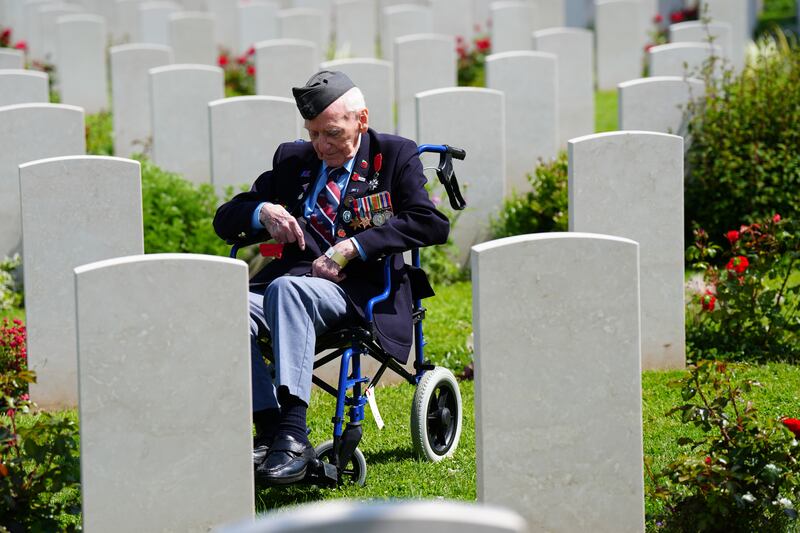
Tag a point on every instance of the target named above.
point(322, 473)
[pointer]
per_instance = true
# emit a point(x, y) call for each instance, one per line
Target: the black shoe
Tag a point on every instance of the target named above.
point(261, 444)
point(286, 462)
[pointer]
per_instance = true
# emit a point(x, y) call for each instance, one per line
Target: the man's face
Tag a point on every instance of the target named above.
point(334, 133)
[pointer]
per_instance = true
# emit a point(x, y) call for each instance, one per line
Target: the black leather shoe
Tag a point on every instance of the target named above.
point(261, 444)
point(286, 462)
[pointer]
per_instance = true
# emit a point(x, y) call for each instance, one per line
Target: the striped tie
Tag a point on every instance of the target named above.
point(324, 215)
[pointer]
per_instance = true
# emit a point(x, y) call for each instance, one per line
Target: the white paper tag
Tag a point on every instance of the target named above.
point(373, 406)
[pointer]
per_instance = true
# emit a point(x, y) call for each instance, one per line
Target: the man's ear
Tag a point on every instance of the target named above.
point(363, 120)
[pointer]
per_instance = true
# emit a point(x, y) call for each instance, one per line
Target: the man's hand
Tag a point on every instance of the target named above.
point(282, 226)
point(326, 268)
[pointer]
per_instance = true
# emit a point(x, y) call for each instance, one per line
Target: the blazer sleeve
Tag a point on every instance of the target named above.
point(232, 220)
point(416, 222)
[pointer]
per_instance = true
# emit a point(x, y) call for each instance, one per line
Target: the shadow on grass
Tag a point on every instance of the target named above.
point(389, 456)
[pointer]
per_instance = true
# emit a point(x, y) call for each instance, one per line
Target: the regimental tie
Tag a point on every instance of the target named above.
point(323, 218)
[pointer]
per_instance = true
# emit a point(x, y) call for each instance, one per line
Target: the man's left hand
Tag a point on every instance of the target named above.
point(326, 268)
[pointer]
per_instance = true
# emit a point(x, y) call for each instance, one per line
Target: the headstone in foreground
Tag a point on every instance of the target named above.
point(558, 399)
point(164, 393)
point(93, 211)
point(630, 183)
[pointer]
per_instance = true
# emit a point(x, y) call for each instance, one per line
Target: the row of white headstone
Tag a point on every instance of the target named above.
point(154, 359)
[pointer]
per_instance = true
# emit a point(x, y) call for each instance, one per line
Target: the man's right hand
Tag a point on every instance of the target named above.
point(282, 226)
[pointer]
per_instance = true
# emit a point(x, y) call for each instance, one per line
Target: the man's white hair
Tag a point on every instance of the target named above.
point(353, 100)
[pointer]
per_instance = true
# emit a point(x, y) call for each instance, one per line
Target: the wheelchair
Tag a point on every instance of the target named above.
point(436, 412)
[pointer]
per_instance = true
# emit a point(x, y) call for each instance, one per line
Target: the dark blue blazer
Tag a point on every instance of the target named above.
point(415, 223)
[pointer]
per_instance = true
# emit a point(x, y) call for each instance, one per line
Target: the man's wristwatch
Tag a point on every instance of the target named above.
point(336, 257)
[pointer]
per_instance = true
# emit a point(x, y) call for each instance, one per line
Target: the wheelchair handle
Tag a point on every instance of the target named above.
point(445, 172)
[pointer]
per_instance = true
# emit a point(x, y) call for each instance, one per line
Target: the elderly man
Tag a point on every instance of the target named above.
point(338, 204)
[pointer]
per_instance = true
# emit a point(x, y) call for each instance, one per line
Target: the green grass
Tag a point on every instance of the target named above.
point(605, 111)
point(448, 326)
point(12, 313)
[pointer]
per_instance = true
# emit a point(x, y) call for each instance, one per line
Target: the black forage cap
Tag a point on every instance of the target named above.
point(324, 88)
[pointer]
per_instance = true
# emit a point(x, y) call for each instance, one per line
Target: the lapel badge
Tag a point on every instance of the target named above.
point(341, 233)
point(348, 201)
point(378, 162)
point(347, 216)
point(373, 184)
point(357, 177)
point(363, 163)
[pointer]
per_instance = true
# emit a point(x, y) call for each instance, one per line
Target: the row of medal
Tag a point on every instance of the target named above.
point(375, 209)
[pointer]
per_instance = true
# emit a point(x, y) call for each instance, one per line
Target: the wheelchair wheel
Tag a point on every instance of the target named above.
point(436, 415)
point(354, 472)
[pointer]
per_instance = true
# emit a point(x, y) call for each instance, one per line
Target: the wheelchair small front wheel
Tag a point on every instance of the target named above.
point(354, 472)
point(436, 415)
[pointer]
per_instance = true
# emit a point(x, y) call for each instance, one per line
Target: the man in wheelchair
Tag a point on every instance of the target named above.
point(337, 204)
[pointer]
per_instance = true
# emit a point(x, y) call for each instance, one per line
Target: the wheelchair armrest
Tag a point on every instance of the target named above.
point(387, 288)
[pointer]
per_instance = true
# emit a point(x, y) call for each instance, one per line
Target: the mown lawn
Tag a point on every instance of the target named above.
point(605, 111)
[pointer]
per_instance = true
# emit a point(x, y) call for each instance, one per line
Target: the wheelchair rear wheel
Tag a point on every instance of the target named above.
point(436, 415)
point(355, 471)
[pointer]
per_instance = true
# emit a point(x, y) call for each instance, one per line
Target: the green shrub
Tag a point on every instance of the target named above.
point(741, 473)
point(743, 160)
point(99, 134)
point(438, 261)
point(10, 287)
point(472, 60)
point(178, 214)
point(542, 209)
point(749, 310)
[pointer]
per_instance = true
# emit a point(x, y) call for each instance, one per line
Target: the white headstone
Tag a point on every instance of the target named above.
point(453, 17)
point(13, 59)
point(511, 26)
point(396, 516)
point(356, 31)
point(421, 63)
point(326, 7)
point(29, 132)
point(23, 87)
point(245, 131)
point(179, 97)
point(442, 118)
point(574, 49)
point(681, 59)
point(154, 21)
point(630, 184)
point(226, 28)
point(481, 15)
point(48, 47)
point(556, 321)
point(530, 83)
point(126, 16)
point(375, 79)
point(99, 206)
point(403, 20)
point(657, 103)
point(192, 38)
point(620, 42)
point(258, 21)
point(305, 24)
point(164, 393)
point(130, 94)
point(82, 73)
point(735, 13)
point(32, 27)
point(550, 14)
point(282, 64)
point(718, 33)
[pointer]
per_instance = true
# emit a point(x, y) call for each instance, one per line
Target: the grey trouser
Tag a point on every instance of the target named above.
point(294, 311)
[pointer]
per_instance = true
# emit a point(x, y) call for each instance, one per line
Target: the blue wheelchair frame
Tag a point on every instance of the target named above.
point(351, 342)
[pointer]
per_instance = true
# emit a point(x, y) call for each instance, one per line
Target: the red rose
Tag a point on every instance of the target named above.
point(222, 60)
point(793, 425)
point(482, 44)
point(776, 218)
point(708, 460)
point(708, 301)
point(251, 51)
point(21, 45)
point(251, 70)
point(732, 236)
point(677, 17)
point(241, 60)
point(738, 264)
point(658, 18)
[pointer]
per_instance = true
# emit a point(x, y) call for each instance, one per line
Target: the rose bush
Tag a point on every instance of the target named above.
point(748, 307)
point(240, 72)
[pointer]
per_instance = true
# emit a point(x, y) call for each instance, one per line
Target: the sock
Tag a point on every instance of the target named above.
point(266, 422)
point(293, 416)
